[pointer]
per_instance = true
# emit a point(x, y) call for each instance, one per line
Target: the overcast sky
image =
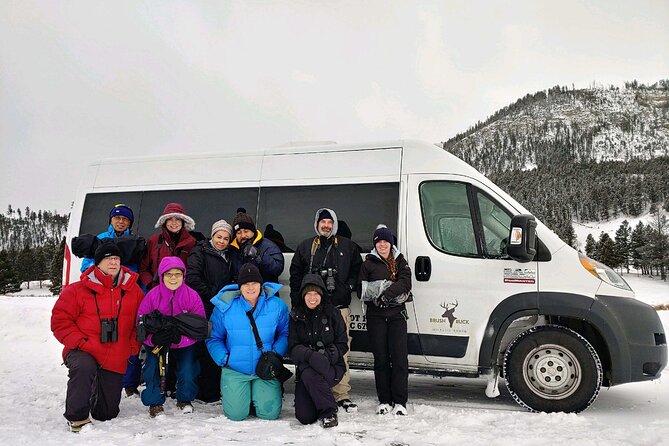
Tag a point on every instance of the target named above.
point(85, 80)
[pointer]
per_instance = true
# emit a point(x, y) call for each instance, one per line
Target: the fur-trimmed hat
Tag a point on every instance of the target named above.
point(122, 210)
point(249, 273)
point(383, 233)
point(243, 221)
point(175, 210)
point(106, 249)
point(221, 225)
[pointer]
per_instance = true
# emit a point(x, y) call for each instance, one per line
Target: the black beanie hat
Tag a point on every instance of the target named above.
point(248, 273)
point(106, 249)
point(243, 221)
point(382, 233)
point(324, 214)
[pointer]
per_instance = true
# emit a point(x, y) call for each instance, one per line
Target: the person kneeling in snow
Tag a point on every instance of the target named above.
point(317, 344)
point(95, 320)
point(171, 297)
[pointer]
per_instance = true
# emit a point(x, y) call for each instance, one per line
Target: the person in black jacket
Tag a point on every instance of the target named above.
point(385, 286)
point(337, 260)
point(317, 344)
point(208, 271)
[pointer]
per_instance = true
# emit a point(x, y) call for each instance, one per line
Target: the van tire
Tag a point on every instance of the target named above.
point(550, 368)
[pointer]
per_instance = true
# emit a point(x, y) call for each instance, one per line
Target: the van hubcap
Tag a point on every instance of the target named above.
point(552, 372)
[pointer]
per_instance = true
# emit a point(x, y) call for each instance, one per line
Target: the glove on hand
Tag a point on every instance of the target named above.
point(251, 254)
point(167, 336)
point(332, 353)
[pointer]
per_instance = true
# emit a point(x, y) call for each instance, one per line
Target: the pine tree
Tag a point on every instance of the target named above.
point(590, 246)
point(24, 265)
point(606, 250)
point(623, 244)
point(656, 250)
point(637, 242)
point(9, 283)
point(56, 269)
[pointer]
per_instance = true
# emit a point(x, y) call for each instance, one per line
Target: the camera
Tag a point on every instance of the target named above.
point(141, 329)
point(328, 275)
point(108, 330)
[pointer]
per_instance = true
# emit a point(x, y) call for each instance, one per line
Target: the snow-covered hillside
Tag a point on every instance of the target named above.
point(442, 411)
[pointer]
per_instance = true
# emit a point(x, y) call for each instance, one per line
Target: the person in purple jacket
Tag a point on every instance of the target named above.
point(171, 297)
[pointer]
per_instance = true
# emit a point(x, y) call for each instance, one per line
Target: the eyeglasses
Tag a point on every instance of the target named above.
point(174, 275)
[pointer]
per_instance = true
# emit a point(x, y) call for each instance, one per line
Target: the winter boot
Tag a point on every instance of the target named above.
point(185, 406)
point(330, 421)
point(347, 405)
point(76, 426)
point(399, 409)
point(383, 409)
point(131, 391)
point(155, 411)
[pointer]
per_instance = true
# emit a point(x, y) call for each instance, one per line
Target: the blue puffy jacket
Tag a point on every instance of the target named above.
point(109, 233)
point(232, 342)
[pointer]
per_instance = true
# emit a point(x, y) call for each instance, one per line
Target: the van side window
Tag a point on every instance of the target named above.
point(496, 223)
point(448, 218)
point(291, 210)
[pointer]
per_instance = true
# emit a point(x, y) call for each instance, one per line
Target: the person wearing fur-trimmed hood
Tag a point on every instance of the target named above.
point(174, 239)
point(233, 345)
point(385, 286)
point(317, 344)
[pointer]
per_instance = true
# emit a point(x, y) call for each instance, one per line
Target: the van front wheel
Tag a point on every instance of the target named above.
point(550, 368)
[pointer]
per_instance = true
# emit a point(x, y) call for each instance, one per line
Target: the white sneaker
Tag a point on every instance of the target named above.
point(383, 409)
point(399, 410)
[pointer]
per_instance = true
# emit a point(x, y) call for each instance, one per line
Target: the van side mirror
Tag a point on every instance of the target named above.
point(522, 242)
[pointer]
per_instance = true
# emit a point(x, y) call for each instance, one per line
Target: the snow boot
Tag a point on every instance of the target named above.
point(383, 409)
point(76, 426)
point(347, 405)
point(185, 406)
point(155, 411)
point(330, 421)
point(131, 391)
point(399, 409)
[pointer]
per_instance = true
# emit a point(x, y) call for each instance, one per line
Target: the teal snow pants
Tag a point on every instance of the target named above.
point(239, 389)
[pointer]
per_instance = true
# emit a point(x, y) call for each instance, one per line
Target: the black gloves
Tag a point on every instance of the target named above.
point(251, 254)
point(332, 353)
point(167, 336)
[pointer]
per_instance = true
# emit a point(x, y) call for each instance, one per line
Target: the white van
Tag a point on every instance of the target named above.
point(490, 297)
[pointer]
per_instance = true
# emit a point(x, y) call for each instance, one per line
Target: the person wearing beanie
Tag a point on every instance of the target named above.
point(249, 246)
point(174, 239)
point(385, 286)
point(337, 259)
point(97, 352)
point(121, 219)
point(232, 343)
point(170, 298)
point(209, 270)
point(317, 343)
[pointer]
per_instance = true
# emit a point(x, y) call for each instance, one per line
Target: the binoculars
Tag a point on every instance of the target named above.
point(108, 330)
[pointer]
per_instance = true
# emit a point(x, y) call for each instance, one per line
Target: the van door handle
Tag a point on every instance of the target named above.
point(423, 268)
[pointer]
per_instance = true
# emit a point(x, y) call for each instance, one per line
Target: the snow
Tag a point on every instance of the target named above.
point(441, 411)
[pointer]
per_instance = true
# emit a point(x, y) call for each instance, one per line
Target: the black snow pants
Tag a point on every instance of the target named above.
point(209, 381)
point(388, 340)
point(91, 389)
point(313, 392)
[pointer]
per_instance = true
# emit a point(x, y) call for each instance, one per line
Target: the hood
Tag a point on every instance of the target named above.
point(230, 292)
point(168, 263)
point(335, 224)
point(312, 279)
point(112, 232)
point(395, 250)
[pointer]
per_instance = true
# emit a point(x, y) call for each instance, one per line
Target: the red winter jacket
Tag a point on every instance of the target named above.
point(160, 246)
point(76, 325)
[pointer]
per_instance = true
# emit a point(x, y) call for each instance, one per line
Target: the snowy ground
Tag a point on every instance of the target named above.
point(442, 411)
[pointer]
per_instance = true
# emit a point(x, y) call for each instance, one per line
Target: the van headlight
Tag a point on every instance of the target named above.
point(603, 272)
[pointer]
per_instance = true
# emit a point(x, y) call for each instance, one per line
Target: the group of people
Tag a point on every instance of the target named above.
point(230, 280)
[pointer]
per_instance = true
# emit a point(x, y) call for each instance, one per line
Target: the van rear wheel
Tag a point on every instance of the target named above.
point(551, 368)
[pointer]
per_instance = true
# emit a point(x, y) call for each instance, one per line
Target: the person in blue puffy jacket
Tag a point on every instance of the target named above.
point(232, 344)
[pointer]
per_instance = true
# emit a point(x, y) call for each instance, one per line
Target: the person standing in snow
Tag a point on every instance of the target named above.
point(174, 239)
point(233, 346)
point(385, 286)
point(209, 270)
point(250, 246)
point(95, 320)
point(171, 297)
point(317, 344)
point(337, 260)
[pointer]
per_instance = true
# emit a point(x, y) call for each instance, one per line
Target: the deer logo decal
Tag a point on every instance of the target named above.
point(450, 309)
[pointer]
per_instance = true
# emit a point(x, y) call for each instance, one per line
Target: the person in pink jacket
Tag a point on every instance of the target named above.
point(171, 297)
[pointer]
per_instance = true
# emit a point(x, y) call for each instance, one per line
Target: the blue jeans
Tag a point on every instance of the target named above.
point(187, 370)
point(133, 374)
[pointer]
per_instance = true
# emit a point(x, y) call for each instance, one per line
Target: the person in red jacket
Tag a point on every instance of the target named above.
point(95, 320)
point(173, 240)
